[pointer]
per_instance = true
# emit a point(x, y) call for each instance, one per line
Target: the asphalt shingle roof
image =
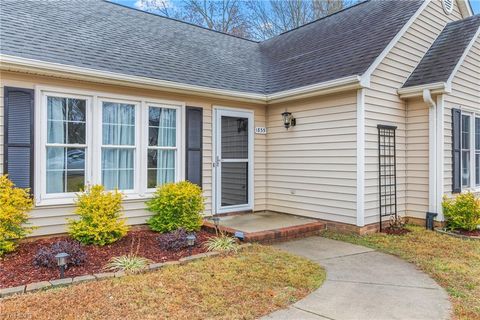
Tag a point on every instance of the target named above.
point(440, 60)
point(104, 36)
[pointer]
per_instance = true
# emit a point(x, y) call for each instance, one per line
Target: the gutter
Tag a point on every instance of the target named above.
point(17, 64)
point(418, 91)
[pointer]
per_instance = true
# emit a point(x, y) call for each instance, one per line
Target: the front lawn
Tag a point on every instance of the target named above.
point(454, 263)
point(252, 283)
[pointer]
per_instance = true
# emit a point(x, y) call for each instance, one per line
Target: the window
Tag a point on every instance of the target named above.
point(162, 146)
point(66, 144)
point(128, 144)
point(465, 142)
point(477, 151)
point(118, 145)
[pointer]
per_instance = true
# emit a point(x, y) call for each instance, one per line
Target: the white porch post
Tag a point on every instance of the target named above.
point(361, 157)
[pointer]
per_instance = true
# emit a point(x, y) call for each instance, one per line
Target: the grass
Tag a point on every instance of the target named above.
point(454, 263)
point(249, 284)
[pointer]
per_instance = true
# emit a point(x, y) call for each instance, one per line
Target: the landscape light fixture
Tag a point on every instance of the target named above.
point(288, 120)
point(240, 235)
point(62, 258)
point(191, 241)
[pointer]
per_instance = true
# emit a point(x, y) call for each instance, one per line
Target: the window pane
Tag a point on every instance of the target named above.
point(117, 168)
point(118, 124)
point(76, 110)
point(66, 120)
point(477, 133)
point(56, 108)
point(477, 169)
point(465, 132)
point(76, 133)
point(65, 169)
point(162, 127)
point(465, 168)
point(161, 167)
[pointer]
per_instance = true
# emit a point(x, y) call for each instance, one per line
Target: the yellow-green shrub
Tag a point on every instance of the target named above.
point(100, 220)
point(462, 212)
point(14, 205)
point(176, 205)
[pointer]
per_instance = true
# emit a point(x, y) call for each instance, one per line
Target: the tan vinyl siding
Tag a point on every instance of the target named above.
point(383, 105)
point(465, 95)
point(312, 167)
point(51, 219)
point(417, 155)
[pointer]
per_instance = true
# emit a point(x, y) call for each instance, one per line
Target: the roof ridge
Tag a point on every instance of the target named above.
point(178, 20)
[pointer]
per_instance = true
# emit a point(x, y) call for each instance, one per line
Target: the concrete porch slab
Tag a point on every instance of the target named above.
point(267, 226)
point(262, 221)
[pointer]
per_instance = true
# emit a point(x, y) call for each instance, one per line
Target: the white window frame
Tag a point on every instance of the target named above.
point(179, 143)
point(472, 186)
point(94, 107)
point(41, 148)
point(99, 145)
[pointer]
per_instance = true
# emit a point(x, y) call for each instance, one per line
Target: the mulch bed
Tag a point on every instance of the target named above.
point(397, 232)
point(17, 268)
point(474, 233)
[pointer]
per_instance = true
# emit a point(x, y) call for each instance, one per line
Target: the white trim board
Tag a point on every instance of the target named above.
point(17, 64)
point(361, 157)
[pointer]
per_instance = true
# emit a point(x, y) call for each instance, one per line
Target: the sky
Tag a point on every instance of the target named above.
point(134, 3)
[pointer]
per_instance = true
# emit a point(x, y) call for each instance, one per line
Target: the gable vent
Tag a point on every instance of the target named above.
point(447, 6)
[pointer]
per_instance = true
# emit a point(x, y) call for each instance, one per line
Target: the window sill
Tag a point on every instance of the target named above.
point(70, 201)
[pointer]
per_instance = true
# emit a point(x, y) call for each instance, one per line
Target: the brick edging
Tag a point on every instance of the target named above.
point(456, 235)
point(43, 285)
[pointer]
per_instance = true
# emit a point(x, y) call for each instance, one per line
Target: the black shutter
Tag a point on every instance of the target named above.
point(18, 135)
point(456, 150)
point(193, 149)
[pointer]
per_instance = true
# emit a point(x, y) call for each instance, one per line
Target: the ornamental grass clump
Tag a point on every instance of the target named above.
point(462, 212)
point(222, 243)
point(101, 221)
point(14, 205)
point(175, 206)
point(129, 263)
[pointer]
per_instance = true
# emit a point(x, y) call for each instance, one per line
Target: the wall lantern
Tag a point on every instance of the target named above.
point(62, 258)
point(288, 120)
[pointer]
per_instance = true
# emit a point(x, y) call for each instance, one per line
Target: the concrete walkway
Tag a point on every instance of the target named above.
point(364, 284)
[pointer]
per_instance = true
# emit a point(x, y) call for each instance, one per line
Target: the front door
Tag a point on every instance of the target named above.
point(233, 165)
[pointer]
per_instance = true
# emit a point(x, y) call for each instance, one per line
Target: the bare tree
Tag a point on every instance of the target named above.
point(254, 19)
point(269, 18)
point(221, 15)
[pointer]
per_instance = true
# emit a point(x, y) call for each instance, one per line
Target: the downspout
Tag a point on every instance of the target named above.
point(432, 148)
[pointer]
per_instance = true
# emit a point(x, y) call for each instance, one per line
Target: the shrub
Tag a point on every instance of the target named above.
point(100, 220)
point(176, 205)
point(222, 243)
point(173, 241)
point(45, 257)
point(129, 263)
point(462, 212)
point(14, 205)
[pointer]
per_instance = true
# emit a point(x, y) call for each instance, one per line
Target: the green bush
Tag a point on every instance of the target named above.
point(176, 205)
point(100, 220)
point(14, 205)
point(462, 212)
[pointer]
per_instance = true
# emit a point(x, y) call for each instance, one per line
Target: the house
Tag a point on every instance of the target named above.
point(381, 101)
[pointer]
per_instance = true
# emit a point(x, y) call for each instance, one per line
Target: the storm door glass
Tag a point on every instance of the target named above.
point(234, 161)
